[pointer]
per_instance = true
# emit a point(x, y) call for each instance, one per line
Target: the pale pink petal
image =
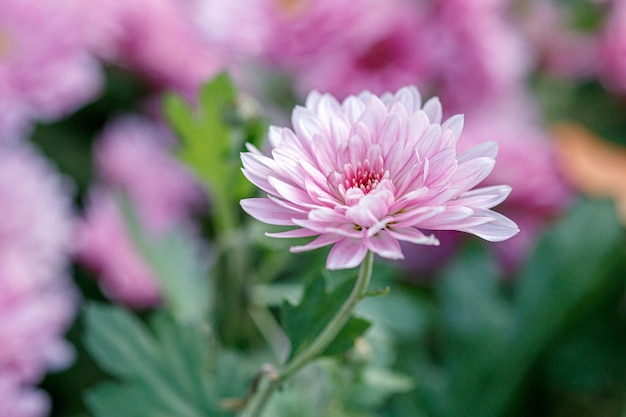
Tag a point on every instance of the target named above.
point(294, 233)
point(433, 110)
point(319, 242)
point(385, 245)
point(496, 229)
point(268, 211)
point(455, 124)
point(411, 234)
point(485, 197)
point(347, 253)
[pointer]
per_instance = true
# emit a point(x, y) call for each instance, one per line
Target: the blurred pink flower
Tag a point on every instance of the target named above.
point(20, 401)
point(612, 59)
point(37, 298)
point(159, 39)
point(133, 156)
point(363, 174)
point(221, 23)
point(478, 52)
point(389, 54)
point(299, 31)
point(558, 47)
point(46, 71)
point(104, 246)
point(527, 160)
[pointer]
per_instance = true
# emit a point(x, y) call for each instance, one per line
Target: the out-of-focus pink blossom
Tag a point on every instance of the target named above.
point(478, 53)
point(558, 48)
point(17, 400)
point(105, 247)
point(158, 39)
point(368, 172)
point(302, 31)
point(133, 157)
point(527, 161)
point(37, 299)
point(45, 68)
point(612, 59)
point(236, 28)
point(389, 54)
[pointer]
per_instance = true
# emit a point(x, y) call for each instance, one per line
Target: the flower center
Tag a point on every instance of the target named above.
point(363, 176)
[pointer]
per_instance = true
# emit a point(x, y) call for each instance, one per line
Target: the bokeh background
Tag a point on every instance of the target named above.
point(97, 100)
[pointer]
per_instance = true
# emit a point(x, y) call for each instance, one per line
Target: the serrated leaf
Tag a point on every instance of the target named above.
point(161, 374)
point(304, 322)
point(212, 135)
point(204, 131)
point(175, 259)
point(119, 342)
point(207, 136)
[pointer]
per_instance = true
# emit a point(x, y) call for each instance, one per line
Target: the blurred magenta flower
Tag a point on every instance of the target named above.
point(528, 161)
point(558, 47)
point(369, 172)
point(391, 52)
point(46, 71)
point(37, 298)
point(104, 246)
point(21, 401)
point(612, 59)
point(301, 31)
point(479, 53)
point(158, 39)
point(133, 156)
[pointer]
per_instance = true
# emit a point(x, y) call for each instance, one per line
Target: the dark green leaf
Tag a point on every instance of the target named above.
point(162, 374)
point(304, 322)
point(572, 268)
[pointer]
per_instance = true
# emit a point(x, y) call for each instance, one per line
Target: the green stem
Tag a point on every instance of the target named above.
point(319, 344)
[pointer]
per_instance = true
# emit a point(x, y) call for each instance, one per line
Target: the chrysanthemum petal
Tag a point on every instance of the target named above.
point(485, 197)
point(433, 110)
point(497, 229)
point(385, 245)
point(306, 124)
point(411, 234)
point(288, 191)
point(455, 124)
point(319, 242)
point(486, 149)
point(267, 211)
point(347, 253)
point(293, 233)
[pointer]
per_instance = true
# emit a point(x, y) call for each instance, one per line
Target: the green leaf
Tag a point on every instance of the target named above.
point(304, 322)
point(345, 338)
point(175, 259)
point(162, 374)
point(119, 342)
point(573, 267)
point(212, 135)
point(204, 132)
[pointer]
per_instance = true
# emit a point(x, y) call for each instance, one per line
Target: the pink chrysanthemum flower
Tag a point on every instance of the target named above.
point(133, 156)
point(46, 71)
point(369, 172)
point(37, 298)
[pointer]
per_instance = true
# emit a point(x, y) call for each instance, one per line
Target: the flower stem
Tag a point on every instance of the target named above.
point(319, 344)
